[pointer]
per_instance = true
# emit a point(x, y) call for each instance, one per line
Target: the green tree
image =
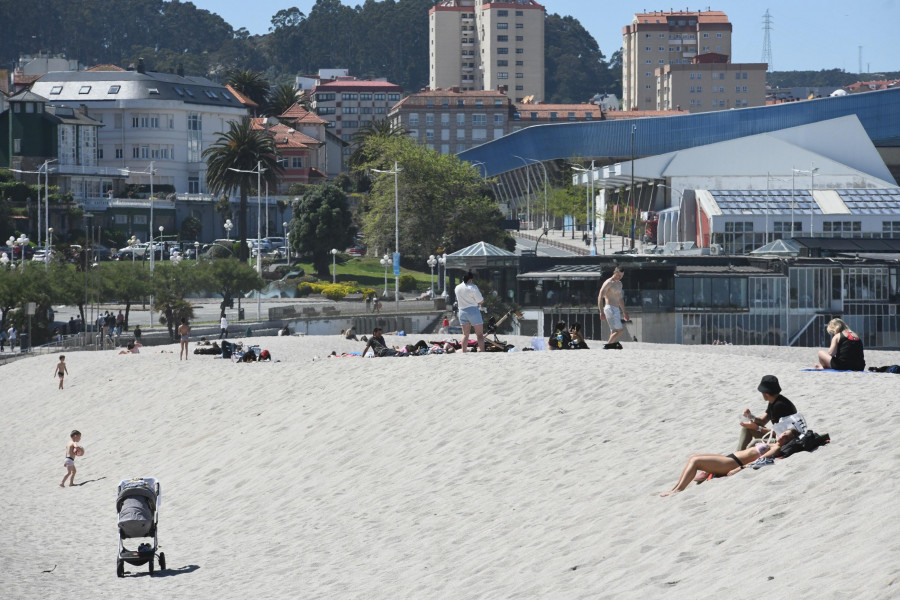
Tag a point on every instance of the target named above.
point(170, 285)
point(574, 65)
point(227, 277)
point(191, 228)
point(126, 282)
point(251, 84)
point(443, 203)
point(281, 98)
point(322, 221)
point(244, 149)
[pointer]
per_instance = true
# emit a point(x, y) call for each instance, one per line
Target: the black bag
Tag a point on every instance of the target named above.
point(807, 442)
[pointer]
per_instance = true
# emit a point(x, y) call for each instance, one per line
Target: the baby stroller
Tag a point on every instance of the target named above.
point(138, 507)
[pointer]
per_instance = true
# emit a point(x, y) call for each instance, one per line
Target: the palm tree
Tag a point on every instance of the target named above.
point(281, 98)
point(244, 149)
point(376, 129)
point(251, 84)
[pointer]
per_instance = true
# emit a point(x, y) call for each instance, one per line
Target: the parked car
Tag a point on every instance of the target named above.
point(101, 252)
point(130, 253)
point(277, 242)
point(356, 251)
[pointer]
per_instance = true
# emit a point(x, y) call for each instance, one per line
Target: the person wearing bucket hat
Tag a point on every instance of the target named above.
point(777, 406)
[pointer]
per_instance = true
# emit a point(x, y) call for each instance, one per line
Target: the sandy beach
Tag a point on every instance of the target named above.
point(517, 475)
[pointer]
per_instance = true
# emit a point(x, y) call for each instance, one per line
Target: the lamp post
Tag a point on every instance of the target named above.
point(385, 262)
point(396, 260)
point(151, 171)
point(442, 261)
point(592, 205)
point(49, 243)
point(334, 253)
point(633, 130)
point(432, 261)
point(131, 242)
point(4, 260)
point(287, 242)
point(21, 242)
point(228, 227)
point(197, 252)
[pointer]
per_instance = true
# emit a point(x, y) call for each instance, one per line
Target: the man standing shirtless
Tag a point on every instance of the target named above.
point(611, 303)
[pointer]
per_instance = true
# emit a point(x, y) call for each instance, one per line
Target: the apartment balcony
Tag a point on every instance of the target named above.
point(468, 69)
point(468, 21)
point(468, 81)
point(467, 44)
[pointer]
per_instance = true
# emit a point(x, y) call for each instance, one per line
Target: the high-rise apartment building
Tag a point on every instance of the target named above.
point(350, 104)
point(656, 39)
point(480, 45)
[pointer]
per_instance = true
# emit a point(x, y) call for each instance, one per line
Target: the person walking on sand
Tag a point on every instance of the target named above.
point(72, 450)
point(61, 370)
point(223, 326)
point(469, 299)
point(184, 330)
point(611, 302)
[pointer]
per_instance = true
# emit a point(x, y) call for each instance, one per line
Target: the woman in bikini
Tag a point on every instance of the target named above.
point(727, 464)
point(184, 331)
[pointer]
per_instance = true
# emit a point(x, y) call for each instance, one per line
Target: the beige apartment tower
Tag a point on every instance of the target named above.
point(656, 39)
point(481, 45)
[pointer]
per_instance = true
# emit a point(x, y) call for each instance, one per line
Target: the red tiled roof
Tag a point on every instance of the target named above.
point(240, 97)
point(300, 115)
point(579, 112)
point(468, 97)
point(284, 136)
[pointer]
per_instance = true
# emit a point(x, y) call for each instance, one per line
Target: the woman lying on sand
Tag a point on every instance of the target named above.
point(700, 465)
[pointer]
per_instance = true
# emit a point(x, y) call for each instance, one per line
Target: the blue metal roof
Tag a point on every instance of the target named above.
point(879, 113)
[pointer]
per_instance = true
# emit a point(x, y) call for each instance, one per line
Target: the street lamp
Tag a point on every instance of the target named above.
point(287, 242)
point(197, 251)
point(176, 258)
point(334, 253)
point(592, 205)
point(4, 260)
point(151, 171)
point(228, 227)
point(21, 242)
point(396, 261)
point(546, 197)
point(49, 243)
point(44, 168)
point(131, 242)
point(442, 261)
point(386, 262)
point(432, 261)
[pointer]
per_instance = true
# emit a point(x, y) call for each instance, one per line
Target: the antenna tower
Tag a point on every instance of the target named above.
point(768, 25)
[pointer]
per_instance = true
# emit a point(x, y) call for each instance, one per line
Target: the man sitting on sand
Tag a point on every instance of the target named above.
point(777, 406)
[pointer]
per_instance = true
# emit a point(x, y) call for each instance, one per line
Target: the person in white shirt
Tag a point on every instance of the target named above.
point(469, 299)
point(223, 325)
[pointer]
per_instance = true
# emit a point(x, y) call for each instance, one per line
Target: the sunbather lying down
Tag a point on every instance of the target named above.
point(728, 464)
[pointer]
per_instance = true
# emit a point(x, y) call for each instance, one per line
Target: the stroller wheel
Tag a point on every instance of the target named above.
point(162, 561)
point(150, 565)
point(120, 568)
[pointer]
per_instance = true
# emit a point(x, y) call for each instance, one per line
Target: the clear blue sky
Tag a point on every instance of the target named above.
point(807, 34)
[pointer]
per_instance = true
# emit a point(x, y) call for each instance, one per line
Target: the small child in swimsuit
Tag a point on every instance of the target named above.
point(61, 370)
point(69, 462)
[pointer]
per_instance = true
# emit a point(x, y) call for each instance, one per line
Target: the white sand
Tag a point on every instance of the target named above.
point(524, 475)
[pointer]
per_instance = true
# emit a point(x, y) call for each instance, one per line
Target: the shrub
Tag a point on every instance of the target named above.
point(304, 289)
point(407, 283)
point(335, 291)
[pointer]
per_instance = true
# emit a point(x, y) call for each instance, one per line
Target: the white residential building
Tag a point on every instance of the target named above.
point(158, 118)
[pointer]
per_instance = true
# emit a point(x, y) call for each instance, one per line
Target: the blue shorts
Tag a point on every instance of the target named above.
point(470, 315)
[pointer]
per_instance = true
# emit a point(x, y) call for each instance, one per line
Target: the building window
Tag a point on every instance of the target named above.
point(193, 184)
point(429, 119)
point(479, 134)
point(460, 120)
point(502, 63)
point(553, 116)
point(349, 96)
point(479, 120)
point(520, 75)
point(460, 134)
point(85, 89)
point(502, 38)
point(429, 134)
point(379, 96)
point(445, 135)
point(520, 88)
point(296, 162)
point(56, 89)
point(502, 13)
point(394, 97)
point(119, 153)
point(520, 51)
point(498, 119)
point(502, 75)
point(445, 119)
point(502, 25)
point(502, 50)
point(365, 96)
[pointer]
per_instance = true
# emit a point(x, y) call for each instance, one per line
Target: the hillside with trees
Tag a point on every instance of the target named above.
point(386, 38)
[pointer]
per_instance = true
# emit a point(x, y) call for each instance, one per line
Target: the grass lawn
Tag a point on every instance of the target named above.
point(368, 272)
